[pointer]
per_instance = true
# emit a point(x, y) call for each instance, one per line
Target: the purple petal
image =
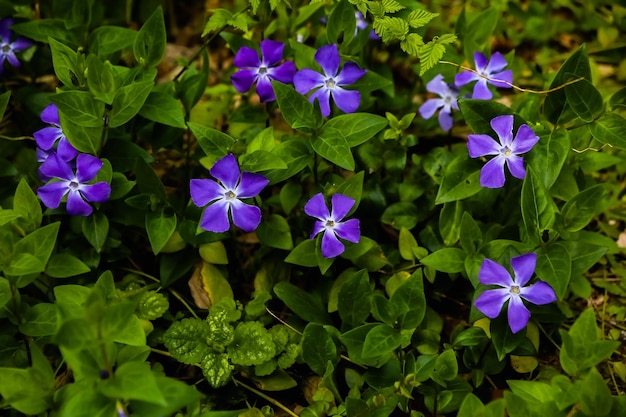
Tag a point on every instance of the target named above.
point(518, 314)
point(516, 166)
point(525, 139)
point(523, 268)
point(318, 226)
point(265, 90)
point(21, 43)
point(480, 61)
point(328, 58)
point(481, 145)
point(55, 167)
point(350, 74)
point(539, 293)
point(347, 100)
point(492, 273)
point(271, 52)
point(46, 137)
point(65, 150)
point(42, 154)
point(502, 76)
point(96, 193)
point(429, 108)
point(283, 73)
point(492, 174)
point(243, 79)
point(490, 302)
point(496, 63)
point(465, 77)
point(341, 205)
point(446, 121)
point(316, 207)
point(13, 59)
point(438, 86)
point(323, 97)
point(306, 79)
point(215, 218)
point(227, 171)
point(51, 115)
point(251, 185)
point(5, 33)
point(76, 206)
point(349, 230)
point(503, 126)
point(247, 57)
point(87, 167)
point(481, 91)
point(245, 216)
point(204, 191)
point(52, 193)
point(331, 246)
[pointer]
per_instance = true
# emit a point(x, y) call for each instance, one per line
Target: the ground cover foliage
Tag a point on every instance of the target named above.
point(343, 208)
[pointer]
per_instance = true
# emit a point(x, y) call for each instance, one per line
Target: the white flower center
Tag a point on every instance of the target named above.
point(330, 83)
point(262, 70)
point(330, 224)
point(229, 195)
point(6, 48)
point(514, 290)
point(506, 151)
point(73, 185)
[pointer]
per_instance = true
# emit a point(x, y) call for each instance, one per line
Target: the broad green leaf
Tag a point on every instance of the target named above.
point(26, 203)
point(39, 243)
point(472, 336)
point(65, 63)
point(128, 101)
point(446, 367)
point(401, 214)
point(186, 340)
point(191, 86)
point(548, 155)
point(554, 266)
point(418, 18)
point(79, 106)
point(584, 99)
point(5, 291)
point(357, 128)
point(479, 113)
point(354, 299)
point(538, 208)
point(610, 129)
point(471, 407)
point(84, 139)
point(341, 20)
point(318, 348)
point(160, 227)
point(409, 302)
point(295, 108)
point(290, 194)
point(163, 108)
point(149, 45)
point(353, 188)
point(105, 40)
point(149, 182)
point(478, 32)
point(470, 234)
point(63, 265)
point(213, 142)
point(214, 253)
point(412, 44)
point(461, 179)
point(274, 232)
point(303, 254)
point(581, 209)
point(450, 222)
point(95, 229)
point(303, 304)
point(26, 390)
point(41, 30)
point(407, 244)
point(23, 264)
point(101, 79)
point(504, 340)
point(380, 340)
point(595, 395)
point(261, 160)
point(332, 145)
point(133, 381)
point(353, 341)
point(448, 260)
point(40, 320)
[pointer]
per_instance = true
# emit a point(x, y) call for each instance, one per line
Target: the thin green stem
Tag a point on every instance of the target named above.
point(548, 336)
point(266, 398)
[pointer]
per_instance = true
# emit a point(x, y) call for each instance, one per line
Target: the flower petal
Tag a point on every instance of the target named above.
point(318, 226)
point(65, 150)
point(87, 167)
point(465, 77)
point(5, 32)
point(341, 205)
point(316, 207)
point(516, 166)
point(96, 193)
point(518, 314)
point(446, 121)
point(429, 108)
point(283, 73)
point(523, 268)
point(245, 216)
point(243, 79)
point(539, 293)
point(265, 90)
point(481, 91)
point(271, 52)
point(492, 174)
point(55, 167)
point(492, 273)
point(215, 218)
point(496, 63)
point(503, 126)
point(331, 246)
point(480, 60)
point(323, 97)
point(227, 171)
point(21, 43)
point(348, 101)
point(76, 206)
point(349, 230)
point(490, 302)
point(51, 115)
point(306, 79)
point(481, 145)
point(251, 185)
point(247, 57)
point(204, 191)
point(46, 137)
point(52, 193)
point(525, 139)
point(13, 59)
point(438, 86)
point(502, 76)
point(328, 58)
point(350, 74)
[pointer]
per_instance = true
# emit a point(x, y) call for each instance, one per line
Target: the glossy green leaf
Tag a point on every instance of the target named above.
point(128, 101)
point(40, 320)
point(81, 107)
point(381, 339)
point(470, 234)
point(399, 215)
point(461, 180)
point(538, 208)
point(583, 207)
point(23, 264)
point(274, 232)
point(409, 302)
point(101, 79)
point(163, 108)
point(554, 266)
point(105, 40)
point(357, 128)
point(160, 226)
point(318, 348)
point(548, 155)
point(610, 129)
point(303, 304)
point(65, 63)
point(134, 381)
point(295, 108)
point(85, 139)
point(595, 395)
point(261, 160)
point(303, 254)
point(95, 229)
point(332, 145)
point(26, 203)
point(448, 260)
point(149, 45)
point(213, 142)
point(341, 20)
point(64, 265)
point(584, 99)
point(354, 299)
point(40, 243)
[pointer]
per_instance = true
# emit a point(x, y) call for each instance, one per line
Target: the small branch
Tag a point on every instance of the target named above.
point(266, 398)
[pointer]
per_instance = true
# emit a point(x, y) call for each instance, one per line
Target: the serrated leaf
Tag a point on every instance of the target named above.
point(218, 19)
point(418, 18)
point(429, 55)
point(412, 44)
point(186, 340)
point(392, 6)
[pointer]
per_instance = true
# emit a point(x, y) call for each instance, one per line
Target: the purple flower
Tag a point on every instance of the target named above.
point(361, 24)
point(513, 289)
point(487, 72)
point(225, 196)
point(262, 70)
point(75, 185)
point(331, 82)
point(447, 101)
point(8, 48)
point(51, 136)
point(506, 150)
point(331, 223)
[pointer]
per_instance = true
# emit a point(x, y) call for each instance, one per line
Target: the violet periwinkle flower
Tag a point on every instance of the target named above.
point(506, 149)
point(52, 137)
point(447, 101)
point(361, 24)
point(487, 72)
point(512, 289)
point(8, 48)
point(331, 224)
point(331, 83)
point(223, 197)
point(75, 185)
point(262, 70)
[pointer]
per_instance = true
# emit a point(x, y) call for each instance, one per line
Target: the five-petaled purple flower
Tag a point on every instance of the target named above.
point(513, 289)
point(331, 223)
point(487, 72)
point(225, 196)
point(262, 70)
point(52, 137)
point(447, 101)
point(75, 185)
point(331, 82)
point(8, 48)
point(506, 149)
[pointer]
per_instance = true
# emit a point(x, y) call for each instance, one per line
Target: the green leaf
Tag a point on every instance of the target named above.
point(450, 222)
point(26, 203)
point(318, 348)
point(101, 79)
point(595, 395)
point(401, 214)
point(26, 390)
point(163, 108)
point(302, 303)
point(39, 320)
point(84, 139)
point(41, 29)
point(409, 302)
point(193, 83)
point(133, 381)
point(471, 407)
point(478, 32)
point(217, 21)
point(392, 6)
point(105, 40)
point(149, 45)
point(418, 18)
point(290, 195)
point(429, 55)
point(65, 63)
point(412, 44)
point(538, 208)
point(64, 265)
point(356, 128)
point(504, 340)
point(128, 101)
point(470, 234)
point(95, 229)
point(295, 108)
point(23, 264)
point(555, 267)
point(472, 336)
point(186, 340)
point(341, 20)
point(584, 99)
point(448, 260)
point(303, 254)
point(461, 179)
point(160, 228)
point(354, 299)
point(4, 102)
point(407, 244)
point(274, 231)
point(79, 106)
point(479, 113)
point(381, 339)
point(39, 243)
point(610, 129)
point(583, 207)
point(261, 160)
point(5, 291)
point(213, 142)
point(446, 367)
point(332, 145)
point(548, 155)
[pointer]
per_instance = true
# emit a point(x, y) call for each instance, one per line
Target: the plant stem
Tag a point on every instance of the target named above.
point(266, 398)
